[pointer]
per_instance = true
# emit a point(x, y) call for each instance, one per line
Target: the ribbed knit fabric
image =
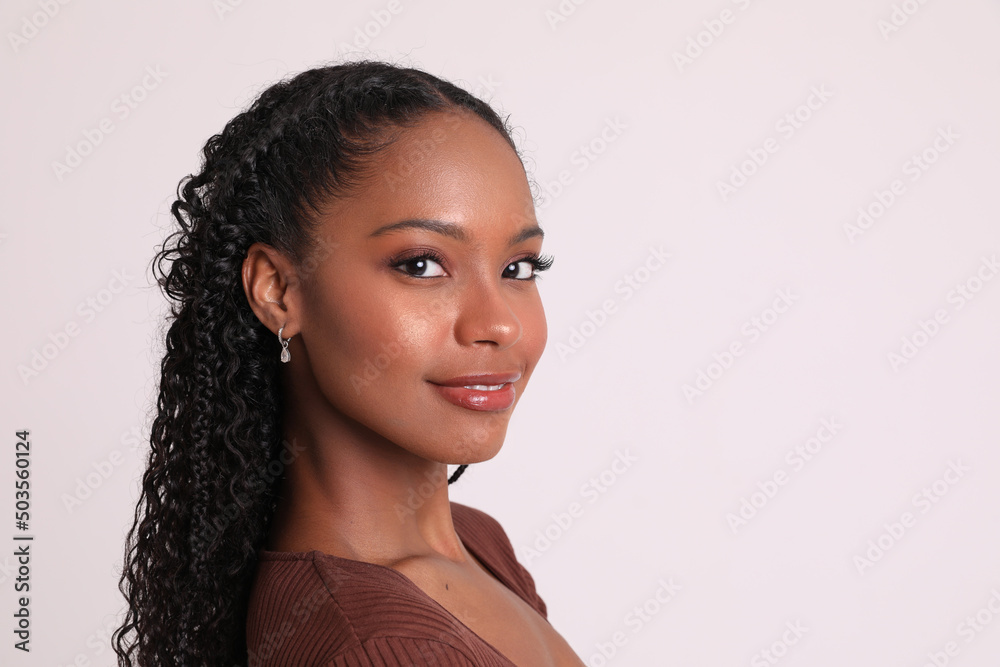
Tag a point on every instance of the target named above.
point(313, 608)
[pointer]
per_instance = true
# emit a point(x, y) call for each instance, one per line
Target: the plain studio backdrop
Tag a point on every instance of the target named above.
point(764, 430)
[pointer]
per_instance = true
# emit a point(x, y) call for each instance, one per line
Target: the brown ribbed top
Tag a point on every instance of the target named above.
point(313, 608)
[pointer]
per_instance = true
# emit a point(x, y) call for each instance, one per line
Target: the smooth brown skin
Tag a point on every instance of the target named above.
point(370, 481)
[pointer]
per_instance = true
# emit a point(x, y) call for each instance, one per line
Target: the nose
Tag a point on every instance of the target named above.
point(486, 316)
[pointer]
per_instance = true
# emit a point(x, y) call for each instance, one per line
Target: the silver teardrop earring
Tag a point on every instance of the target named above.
point(286, 356)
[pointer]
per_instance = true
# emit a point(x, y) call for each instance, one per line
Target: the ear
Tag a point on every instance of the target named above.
point(271, 286)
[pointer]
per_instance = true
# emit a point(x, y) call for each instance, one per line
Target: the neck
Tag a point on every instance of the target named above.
point(350, 492)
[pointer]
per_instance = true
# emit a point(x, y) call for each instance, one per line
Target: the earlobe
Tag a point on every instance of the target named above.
point(268, 284)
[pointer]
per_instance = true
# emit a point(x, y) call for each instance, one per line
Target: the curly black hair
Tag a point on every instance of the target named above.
point(209, 488)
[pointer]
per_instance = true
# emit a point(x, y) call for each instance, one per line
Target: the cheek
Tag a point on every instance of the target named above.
point(534, 334)
point(374, 341)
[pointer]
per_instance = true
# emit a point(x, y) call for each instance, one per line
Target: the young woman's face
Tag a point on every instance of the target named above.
point(420, 319)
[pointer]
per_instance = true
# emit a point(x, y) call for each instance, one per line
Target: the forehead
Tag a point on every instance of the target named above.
point(450, 166)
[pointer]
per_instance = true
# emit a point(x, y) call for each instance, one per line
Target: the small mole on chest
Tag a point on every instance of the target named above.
point(446, 586)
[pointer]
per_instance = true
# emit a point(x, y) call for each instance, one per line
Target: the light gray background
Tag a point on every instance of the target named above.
point(662, 135)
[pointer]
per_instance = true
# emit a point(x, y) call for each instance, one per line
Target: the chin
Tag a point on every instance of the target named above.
point(474, 445)
point(478, 456)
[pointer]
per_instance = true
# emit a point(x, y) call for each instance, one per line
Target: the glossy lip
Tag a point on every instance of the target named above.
point(455, 391)
point(481, 378)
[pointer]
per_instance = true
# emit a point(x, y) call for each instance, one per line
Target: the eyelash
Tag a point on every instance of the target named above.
point(538, 263)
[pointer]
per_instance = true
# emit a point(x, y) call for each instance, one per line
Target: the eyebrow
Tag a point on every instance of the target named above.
point(452, 230)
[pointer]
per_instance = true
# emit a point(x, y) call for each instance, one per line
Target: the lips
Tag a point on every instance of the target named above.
point(487, 392)
point(481, 379)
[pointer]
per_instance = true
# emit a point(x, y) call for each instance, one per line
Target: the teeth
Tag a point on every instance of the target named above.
point(484, 387)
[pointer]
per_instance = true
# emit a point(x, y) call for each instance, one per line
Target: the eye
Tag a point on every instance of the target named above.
point(520, 270)
point(421, 266)
point(527, 268)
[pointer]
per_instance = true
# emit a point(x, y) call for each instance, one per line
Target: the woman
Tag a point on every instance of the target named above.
point(355, 310)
